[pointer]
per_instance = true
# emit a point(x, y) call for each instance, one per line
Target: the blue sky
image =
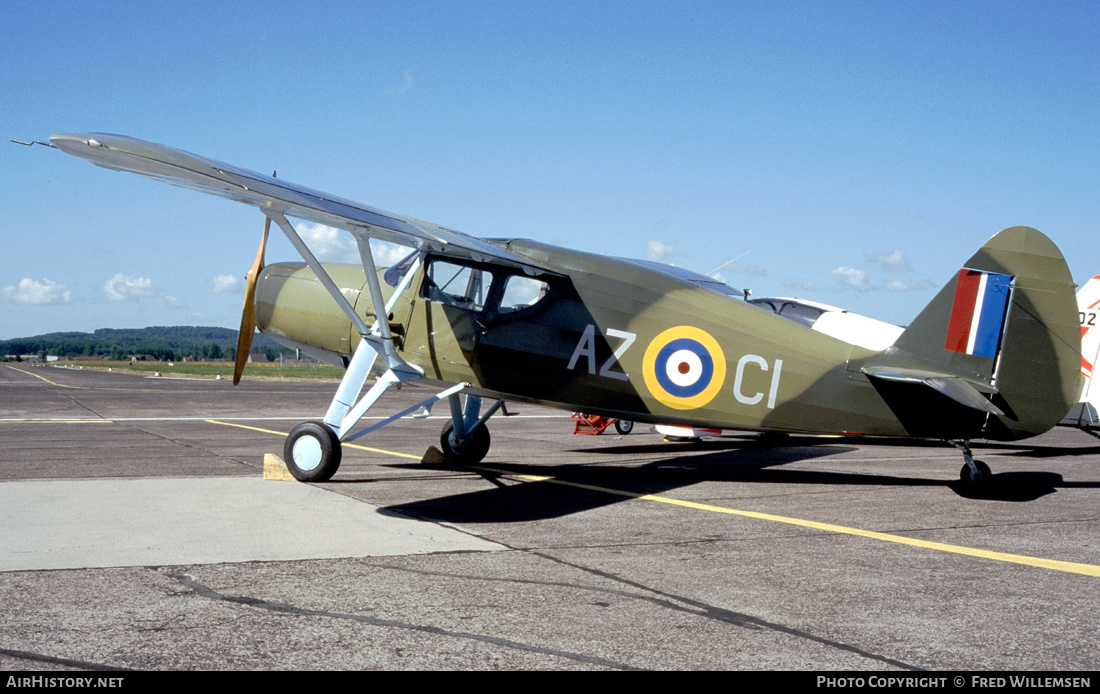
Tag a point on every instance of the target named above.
point(855, 153)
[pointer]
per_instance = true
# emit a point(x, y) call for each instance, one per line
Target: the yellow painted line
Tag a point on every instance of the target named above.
point(242, 426)
point(1053, 564)
point(346, 445)
point(59, 385)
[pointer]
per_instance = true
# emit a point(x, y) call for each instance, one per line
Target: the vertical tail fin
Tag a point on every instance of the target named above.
point(1007, 324)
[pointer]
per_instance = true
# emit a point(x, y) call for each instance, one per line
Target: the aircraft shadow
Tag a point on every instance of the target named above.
point(1006, 486)
point(1019, 486)
point(1006, 448)
point(577, 487)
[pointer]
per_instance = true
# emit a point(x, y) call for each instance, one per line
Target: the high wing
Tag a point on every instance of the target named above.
point(187, 170)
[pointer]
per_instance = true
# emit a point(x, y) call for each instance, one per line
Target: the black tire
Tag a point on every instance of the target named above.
point(968, 478)
point(623, 427)
point(312, 452)
point(474, 450)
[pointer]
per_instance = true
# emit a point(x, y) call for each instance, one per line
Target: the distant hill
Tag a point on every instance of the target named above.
point(162, 342)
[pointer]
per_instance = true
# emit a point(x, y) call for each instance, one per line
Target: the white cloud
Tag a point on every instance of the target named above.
point(656, 250)
point(328, 244)
point(337, 246)
point(226, 284)
point(124, 288)
point(47, 291)
point(387, 254)
point(895, 260)
point(852, 277)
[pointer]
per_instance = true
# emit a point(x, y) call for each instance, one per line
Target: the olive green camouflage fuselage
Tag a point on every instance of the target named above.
point(614, 337)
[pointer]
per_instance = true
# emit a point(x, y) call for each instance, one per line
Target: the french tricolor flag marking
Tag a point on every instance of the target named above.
point(978, 313)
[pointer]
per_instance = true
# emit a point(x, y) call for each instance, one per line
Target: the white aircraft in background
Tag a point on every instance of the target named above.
point(876, 335)
point(1084, 414)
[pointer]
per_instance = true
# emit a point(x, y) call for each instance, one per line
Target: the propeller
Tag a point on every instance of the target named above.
point(248, 314)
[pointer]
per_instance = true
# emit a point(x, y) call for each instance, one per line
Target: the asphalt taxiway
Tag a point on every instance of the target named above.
point(139, 533)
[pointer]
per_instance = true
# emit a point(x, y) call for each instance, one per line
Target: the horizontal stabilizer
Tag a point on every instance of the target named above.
point(962, 391)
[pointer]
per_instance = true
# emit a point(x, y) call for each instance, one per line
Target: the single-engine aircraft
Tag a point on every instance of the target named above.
point(996, 354)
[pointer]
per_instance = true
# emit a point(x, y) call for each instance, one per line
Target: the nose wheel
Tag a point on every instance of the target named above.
point(312, 452)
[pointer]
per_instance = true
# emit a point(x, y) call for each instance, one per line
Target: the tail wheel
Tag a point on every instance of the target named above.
point(312, 452)
point(623, 427)
point(975, 480)
point(468, 452)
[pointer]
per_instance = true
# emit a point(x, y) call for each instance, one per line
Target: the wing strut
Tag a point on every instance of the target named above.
point(315, 265)
point(376, 341)
point(379, 336)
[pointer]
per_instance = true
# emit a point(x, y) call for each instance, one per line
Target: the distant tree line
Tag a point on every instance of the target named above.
point(163, 343)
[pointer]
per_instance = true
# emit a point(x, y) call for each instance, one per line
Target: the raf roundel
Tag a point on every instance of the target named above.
point(684, 368)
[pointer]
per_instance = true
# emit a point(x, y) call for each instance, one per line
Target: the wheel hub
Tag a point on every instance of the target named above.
point(307, 453)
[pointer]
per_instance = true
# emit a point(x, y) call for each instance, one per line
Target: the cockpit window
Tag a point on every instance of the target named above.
point(461, 286)
point(522, 292)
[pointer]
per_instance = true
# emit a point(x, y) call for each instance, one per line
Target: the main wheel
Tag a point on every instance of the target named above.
point(623, 427)
point(469, 452)
point(312, 452)
point(970, 479)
